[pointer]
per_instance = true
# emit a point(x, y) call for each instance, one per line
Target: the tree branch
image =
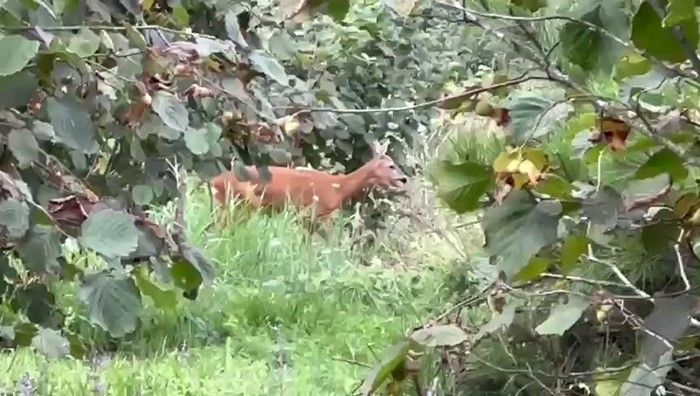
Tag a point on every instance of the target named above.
point(430, 103)
point(589, 25)
point(680, 36)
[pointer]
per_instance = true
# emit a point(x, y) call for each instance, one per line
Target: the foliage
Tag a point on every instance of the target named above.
point(103, 105)
point(595, 179)
point(599, 113)
point(271, 318)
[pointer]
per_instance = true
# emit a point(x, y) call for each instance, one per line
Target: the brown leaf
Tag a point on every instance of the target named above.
point(70, 211)
point(198, 91)
point(502, 116)
point(185, 70)
point(185, 51)
point(614, 131)
point(262, 133)
point(133, 117)
point(8, 187)
point(36, 102)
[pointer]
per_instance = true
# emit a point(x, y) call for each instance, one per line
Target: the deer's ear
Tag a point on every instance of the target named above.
point(379, 149)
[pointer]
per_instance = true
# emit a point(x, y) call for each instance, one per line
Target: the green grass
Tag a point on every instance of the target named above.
point(283, 317)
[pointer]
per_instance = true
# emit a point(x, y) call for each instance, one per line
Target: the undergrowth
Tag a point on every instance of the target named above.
point(287, 314)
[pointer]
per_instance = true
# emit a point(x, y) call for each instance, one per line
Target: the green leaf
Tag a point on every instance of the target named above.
point(657, 238)
point(196, 141)
point(25, 333)
point(530, 5)
point(603, 207)
point(200, 262)
point(402, 7)
point(142, 194)
point(581, 44)
point(669, 320)
point(678, 12)
point(182, 18)
point(17, 89)
point(36, 301)
point(185, 275)
point(648, 34)
point(85, 43)
point(135, 37)
point(14, 217)
point(519, 228)
point(43, 131)
point(572, 249)
point(643, 377)
point(51, 343)
point(663, 161)
point(40, 250)
point(533, 269)
point(534, 116)
point(392, 359)
point(21, 50)
point(502, 321)
point(646, 190)
point(462, 186)
point(78, 349)
point(269, 66)
point(113, 302)
point(23, 146)
point(110, 233)
point(72, 123)
point(631, 65)
point(163, 299)
point(233, 29)
point(8, 276)
point(337, 9)
point(563, 316)
point(607, 384)
point(171, 110)
point(555, 186)
point(439, 335)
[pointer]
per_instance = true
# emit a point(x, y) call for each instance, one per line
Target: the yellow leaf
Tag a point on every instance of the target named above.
point(530, 169)
point(519, 180)
point(695, 218)
point(538, 158)
point(291, 126)
point(507, 162)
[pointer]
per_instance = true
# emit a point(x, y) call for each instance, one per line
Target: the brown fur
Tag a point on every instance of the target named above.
point(319, 191)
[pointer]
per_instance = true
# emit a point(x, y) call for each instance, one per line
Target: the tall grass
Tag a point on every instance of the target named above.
point(287, 314)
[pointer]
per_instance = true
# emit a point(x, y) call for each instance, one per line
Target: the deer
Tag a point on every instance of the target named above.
point(323, 193)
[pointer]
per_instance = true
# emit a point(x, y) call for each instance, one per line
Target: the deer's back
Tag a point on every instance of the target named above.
point(302, 187)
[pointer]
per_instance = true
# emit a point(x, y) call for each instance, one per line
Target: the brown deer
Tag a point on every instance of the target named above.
point(323, 193)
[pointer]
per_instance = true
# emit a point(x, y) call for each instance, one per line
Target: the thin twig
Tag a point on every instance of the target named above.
point(589, 25)
point(595, 282)
point(429, 103)
point(681, 265)
point(680, 35)
point(353, 362)
point(481, 295)
point(108, 28)
point(529, 372)
point(616, 270)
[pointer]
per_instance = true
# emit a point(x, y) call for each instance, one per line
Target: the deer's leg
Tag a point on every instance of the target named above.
point(324, 223)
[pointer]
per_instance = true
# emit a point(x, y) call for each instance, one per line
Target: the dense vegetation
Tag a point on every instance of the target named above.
point(568, 128)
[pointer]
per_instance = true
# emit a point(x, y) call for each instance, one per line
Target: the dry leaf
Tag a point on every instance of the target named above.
point(614, 131)
point(502, 116)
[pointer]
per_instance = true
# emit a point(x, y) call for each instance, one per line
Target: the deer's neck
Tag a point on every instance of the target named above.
point(355, 184)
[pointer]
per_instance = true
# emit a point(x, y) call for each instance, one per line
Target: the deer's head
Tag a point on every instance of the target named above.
point(383, 172)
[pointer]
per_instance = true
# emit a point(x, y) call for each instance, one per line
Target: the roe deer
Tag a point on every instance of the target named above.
point(322, 192)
